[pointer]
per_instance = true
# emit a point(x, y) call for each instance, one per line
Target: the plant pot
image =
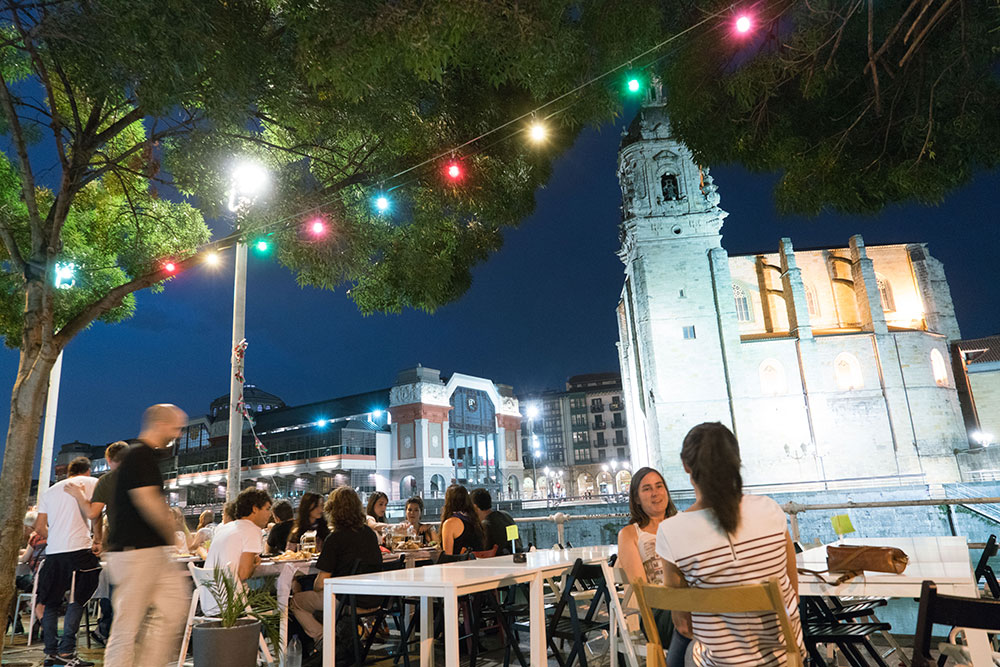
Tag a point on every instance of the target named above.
point(214, 645)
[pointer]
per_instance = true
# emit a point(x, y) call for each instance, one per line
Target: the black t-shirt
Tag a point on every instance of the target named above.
point(495, 528)
point(104, 492)
point(343, 548)
point(128, 528)
point(469, 539)
point(277, 539)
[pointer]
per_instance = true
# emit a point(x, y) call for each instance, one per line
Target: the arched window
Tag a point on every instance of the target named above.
point(885, 293)
point(772, 378)
point(811, 302)
point(669, 187)
point(848, 372)
point(939, 369)
point(744, 313)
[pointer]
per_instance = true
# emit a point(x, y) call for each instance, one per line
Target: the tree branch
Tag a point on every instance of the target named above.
point(27, 176)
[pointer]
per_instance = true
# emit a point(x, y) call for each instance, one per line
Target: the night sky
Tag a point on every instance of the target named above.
point(540, 310)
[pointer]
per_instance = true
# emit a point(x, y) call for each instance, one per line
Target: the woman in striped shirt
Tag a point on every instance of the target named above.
point(728, 539)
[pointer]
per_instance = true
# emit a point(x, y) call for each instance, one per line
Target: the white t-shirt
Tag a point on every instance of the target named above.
point(710, 558)
point(228, 544)
point(68, 530)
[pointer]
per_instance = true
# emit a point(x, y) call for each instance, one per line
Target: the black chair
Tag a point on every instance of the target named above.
point(820, 625)
point(565, 622)
point(952, 611)
point(391, 607)
point(372, 607)
point(984, 571)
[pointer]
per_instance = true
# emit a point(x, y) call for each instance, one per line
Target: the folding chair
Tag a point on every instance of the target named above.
point(624, 619)
point(949, 610)
point(30, 597)
point(202, 576)
point(566, 623)
point(729, 600)
point(984, 571)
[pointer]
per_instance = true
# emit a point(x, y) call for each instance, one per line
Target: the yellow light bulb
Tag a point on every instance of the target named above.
point(538, 132)
point(212, 259)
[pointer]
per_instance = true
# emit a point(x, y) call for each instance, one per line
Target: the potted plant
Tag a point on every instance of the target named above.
point(243, 613)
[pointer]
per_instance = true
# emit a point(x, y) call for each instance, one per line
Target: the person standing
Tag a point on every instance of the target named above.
point(69, 552)
point(142, 572)
point(494, 522)
point(100, 502)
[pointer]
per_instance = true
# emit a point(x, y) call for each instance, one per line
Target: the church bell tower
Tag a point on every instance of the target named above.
point(677, 316)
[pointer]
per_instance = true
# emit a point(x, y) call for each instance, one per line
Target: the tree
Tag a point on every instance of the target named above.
point(859, 104)
point(123, 113)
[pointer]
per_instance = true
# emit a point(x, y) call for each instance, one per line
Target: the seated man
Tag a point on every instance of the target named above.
point(352, 541)
point(237, 545)
point(284, 517)
point(494, 522)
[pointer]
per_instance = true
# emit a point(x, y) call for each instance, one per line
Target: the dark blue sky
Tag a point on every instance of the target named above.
point(540, 310)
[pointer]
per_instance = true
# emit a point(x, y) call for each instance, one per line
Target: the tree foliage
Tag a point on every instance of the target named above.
point(858, 103)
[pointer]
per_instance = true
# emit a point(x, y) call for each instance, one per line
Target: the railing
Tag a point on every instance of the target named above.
point(597, 408)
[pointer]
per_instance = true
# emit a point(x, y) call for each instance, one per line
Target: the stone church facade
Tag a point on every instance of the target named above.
point(829, 364)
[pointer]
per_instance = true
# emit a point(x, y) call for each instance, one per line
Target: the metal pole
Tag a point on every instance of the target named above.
point(235, 386)
point(49, 432)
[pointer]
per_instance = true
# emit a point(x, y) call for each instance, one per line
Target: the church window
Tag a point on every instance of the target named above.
point(689, 333)
point(885, 293)
point(848, 372)
point(772, 378)
point(669, 187)
point(744, 313)
point(939, 369)
point(811, 302)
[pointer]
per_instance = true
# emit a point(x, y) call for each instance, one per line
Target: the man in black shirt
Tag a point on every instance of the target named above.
point(144, 576)
point(494, 523)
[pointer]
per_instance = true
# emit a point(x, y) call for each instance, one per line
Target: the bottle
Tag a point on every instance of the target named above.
point(293, 654)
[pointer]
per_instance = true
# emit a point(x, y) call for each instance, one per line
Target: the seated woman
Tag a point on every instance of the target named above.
point(310, 517)
point(182, 535)
point(728, 539)
point(205, 530)
point(460, 530)
point(649, 504)
point(351, 542)
point(414, 511)
point(375, 513)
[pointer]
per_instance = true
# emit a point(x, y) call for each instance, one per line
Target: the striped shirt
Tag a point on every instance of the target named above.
point(710, 558)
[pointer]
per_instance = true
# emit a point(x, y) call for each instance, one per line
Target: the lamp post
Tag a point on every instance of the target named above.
point(248, 180)
point(532, 412)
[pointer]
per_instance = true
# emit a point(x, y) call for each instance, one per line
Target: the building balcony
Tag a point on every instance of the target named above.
point(599, 426)
point(597, 408)
point(618, 423)
point(617, 407)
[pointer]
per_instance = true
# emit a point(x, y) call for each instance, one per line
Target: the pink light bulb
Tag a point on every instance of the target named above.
point(317, 227)
point(743, 24)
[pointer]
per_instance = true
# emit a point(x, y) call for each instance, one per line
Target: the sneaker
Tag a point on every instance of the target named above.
point(69, 661)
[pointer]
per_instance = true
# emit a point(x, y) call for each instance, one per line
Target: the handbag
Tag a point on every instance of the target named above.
point(853, 560)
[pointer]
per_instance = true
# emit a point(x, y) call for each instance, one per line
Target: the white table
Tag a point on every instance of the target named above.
point(943, 560)
point(453, 580)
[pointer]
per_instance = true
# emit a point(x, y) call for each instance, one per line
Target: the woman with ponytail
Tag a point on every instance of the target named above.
point(728, 539)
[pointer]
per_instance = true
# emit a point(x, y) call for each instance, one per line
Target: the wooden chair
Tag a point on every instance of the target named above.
point(949, 610)
point(730, 600)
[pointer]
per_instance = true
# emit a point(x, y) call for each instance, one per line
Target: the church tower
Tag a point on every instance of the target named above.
point(677, 315)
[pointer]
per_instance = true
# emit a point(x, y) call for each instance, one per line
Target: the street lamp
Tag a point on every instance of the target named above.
point(248, 180)
point(531, 412)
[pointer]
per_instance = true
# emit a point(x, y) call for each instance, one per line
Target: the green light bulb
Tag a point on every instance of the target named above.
point(633, 85)
point(261, 246)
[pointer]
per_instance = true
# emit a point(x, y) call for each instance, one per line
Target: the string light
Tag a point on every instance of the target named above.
point(65, 275)
point(317, 227)
point(538, 132)
point(250, 178)
point(743, 24)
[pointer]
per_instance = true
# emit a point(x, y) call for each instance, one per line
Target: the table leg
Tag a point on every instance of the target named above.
point(536, 605)
point(329, 623)
point(426, 633)
point(451, 630)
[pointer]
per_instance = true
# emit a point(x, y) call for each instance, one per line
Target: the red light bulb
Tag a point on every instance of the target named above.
point(453, 171)
point(317, 227)
point(170, 267)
